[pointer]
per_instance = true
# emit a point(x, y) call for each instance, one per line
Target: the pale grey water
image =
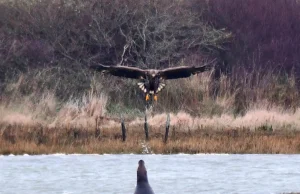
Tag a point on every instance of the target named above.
point(168, 174)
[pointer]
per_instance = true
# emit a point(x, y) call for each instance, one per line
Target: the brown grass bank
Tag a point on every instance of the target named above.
point(18, 139)
point(40, 123)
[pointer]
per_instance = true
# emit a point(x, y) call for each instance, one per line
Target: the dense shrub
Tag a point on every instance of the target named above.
point(266, 32)
point(255, 45)
point(139, 33)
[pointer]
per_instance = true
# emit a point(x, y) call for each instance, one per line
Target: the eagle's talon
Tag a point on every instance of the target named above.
point(147, 97)
point(155, 97)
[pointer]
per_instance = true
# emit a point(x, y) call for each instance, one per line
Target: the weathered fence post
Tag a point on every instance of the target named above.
point(97, 129)
point(123, 130)
point(146, 128)
point(76, 133)
point(167, 128)
point(173, 132)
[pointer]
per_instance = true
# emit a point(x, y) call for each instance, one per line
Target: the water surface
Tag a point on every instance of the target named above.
point(168, 174)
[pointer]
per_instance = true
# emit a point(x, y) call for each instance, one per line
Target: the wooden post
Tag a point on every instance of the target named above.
point(76, 133)
point(123, 130)
point(97, 129)
point(146, 128)
point(167, 128)
point(173, 133)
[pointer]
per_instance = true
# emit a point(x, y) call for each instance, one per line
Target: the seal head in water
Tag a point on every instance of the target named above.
point(142, 186)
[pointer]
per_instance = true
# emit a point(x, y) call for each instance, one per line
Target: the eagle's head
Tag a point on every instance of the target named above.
point(153, 72)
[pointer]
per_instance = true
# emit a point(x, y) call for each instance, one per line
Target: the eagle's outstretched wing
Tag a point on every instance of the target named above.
point(182, 71)
point(121, 71)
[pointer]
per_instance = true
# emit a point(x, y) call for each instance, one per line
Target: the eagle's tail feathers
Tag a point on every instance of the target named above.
point(142, 87)
point(160, 87)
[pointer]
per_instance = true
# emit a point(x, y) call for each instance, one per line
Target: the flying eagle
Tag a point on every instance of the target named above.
point(151, 79)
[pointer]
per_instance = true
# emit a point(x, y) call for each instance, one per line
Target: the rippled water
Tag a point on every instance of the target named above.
point(168, 174)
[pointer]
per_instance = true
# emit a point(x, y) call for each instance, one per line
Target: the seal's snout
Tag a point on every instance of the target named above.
point(141, 163)
point(142, 172)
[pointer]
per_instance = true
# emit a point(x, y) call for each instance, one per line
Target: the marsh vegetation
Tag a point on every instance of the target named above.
point(248, 104)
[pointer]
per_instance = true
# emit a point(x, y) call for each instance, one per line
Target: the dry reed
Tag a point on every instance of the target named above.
point(39, 122)
point(39, 140)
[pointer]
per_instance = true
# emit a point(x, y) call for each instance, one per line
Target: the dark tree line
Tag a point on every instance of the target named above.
point(140, 33)
point(58, 39)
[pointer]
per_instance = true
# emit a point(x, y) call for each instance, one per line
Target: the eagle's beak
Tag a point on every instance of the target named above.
point(155, 97)
point(147, 97)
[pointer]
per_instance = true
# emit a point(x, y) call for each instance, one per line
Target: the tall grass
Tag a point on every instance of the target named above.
point(252, 117)
point(255, 101)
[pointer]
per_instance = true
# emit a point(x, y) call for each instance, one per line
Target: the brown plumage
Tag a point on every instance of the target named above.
point(151, 79)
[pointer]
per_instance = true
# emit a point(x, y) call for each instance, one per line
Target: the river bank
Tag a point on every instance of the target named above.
point(16, 139)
